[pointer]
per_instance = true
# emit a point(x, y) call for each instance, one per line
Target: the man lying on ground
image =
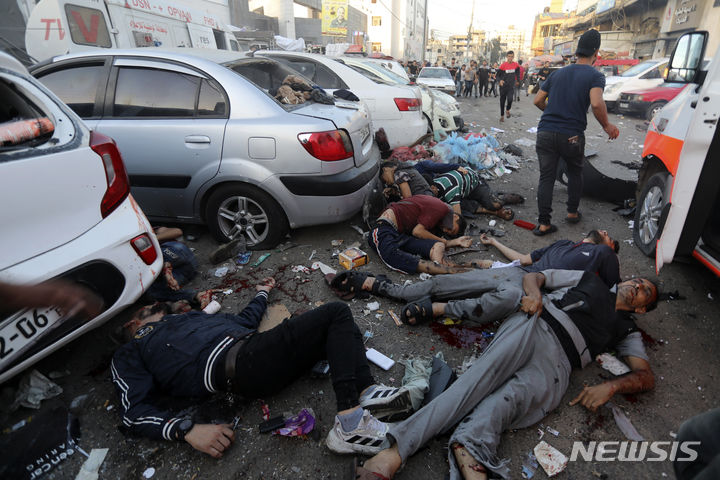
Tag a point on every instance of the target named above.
point(409, 228)
point(487, 295)
point(196, 354)
point(524, 372)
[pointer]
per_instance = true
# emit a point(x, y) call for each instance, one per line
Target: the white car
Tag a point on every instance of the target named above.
point(392, 65)
point(644, 75)
point(395, 108)
point(440, 109)
point(436, 77)
point(67, 213)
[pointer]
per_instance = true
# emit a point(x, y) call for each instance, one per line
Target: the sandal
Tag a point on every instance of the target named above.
point(574, 220)
point(348, 285)
point(419, 312)
point(511, 198)
point(536, 231)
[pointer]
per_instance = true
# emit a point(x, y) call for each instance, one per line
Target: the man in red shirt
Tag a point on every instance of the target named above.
point(509, 76)
point(405, 229)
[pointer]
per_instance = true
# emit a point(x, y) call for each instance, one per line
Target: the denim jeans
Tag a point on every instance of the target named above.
point(184, 267)
point(458, 87)
point(271, 360)
point(550, 148)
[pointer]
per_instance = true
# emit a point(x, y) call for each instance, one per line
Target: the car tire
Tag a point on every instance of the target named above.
point(653, 110)
point(238, 208)
point(648, 213)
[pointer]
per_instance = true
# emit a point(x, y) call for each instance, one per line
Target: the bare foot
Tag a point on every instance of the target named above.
point(386, 463)
point(470, 468)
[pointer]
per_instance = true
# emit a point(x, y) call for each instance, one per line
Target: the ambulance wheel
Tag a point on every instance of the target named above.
point(648, 213)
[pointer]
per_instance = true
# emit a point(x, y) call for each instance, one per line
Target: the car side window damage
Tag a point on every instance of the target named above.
point(22, 124)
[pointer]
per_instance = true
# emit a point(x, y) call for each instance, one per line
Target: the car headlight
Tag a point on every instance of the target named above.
point(612, 88)
point(641, 98)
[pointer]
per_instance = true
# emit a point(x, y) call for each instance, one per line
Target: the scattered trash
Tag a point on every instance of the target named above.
point(300, 424)
point(524, 142)
point(372, 306)
point(553, 431)
point(631, 224)
point(541, 433)
point(492, 223)
point(286, 246)
point(227, 292)
point(673, 434)
point(312, 254)
point(243, 258)
point(212, 307)
point(551, 459)
point(497, 130)
point(532, 129)
point(367, 335)
point(379, 359)
point(395, 318)
point(425, 276)
point(352, 257)
point(262, 258)
point(149, 472)
point(301, 269)
point(90, 469)
point(273, 316)
point(524, 224)
point(710, 296)
point(321, 369)
point(336, 243)
point(417, 379)
point(612, 364)
point(499, 264)
point(323, 268)
point(358, 229)
point(624, 424)
point(529, 465)
point(109, 407)
point(221, 272)
point(34, 388)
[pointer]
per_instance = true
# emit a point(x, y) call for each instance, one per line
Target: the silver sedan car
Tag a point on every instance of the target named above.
point(204, 142)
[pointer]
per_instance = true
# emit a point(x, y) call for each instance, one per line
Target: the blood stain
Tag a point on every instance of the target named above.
point(459, 336)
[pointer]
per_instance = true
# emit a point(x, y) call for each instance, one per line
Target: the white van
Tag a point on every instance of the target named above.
point(681, 164)
point(57, 27)
point(642, 76)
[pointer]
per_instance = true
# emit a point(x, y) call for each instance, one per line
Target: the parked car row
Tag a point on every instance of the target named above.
point(178, 135)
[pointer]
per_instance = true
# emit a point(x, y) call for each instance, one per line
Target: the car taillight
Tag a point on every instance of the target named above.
point(408, 104)
point(117, 179)
point(144, 248)
point(328, 146)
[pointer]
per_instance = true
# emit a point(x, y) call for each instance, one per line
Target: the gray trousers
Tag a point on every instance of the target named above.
point(520, 377)
point(482, 295)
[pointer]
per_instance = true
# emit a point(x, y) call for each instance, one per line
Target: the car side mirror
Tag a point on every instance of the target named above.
point(686, 60)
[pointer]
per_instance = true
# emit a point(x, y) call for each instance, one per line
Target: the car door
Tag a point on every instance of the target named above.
point(168, 120)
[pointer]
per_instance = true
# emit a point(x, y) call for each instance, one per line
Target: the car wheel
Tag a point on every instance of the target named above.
point(653, 110)
point(240, 209)
point(648, 212)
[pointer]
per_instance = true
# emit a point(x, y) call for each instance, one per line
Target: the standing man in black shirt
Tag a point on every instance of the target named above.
point(483, 75)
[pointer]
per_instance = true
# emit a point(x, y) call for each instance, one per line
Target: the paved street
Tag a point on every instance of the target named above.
point(680, 336)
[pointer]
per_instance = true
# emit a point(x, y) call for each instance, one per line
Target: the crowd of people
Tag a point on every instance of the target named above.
point(559, 306)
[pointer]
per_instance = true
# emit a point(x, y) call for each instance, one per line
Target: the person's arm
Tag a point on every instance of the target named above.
point(540, 100)
point(428, 166)
point(252, 314)
point(68, 297)
point(600, 111)
point(405, 191)
point(164, 234)
point(640, 379)
point(508, 252)
point(421, 232)
point(531, 303)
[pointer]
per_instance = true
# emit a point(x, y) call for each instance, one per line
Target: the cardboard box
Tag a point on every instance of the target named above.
point(352, 257)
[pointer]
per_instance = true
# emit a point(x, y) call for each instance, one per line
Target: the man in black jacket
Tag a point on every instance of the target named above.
point(196, 354)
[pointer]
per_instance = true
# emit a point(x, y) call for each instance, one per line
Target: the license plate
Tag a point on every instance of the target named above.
point(624, 105)
point(22, 330)
point(364, 134)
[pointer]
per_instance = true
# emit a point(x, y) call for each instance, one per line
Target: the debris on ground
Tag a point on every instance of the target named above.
point(34, 388)
point(550, 458)
point(149, 472)
point(243, 258)
point(417, 379)
point(372, 306)
point(298, 425)
point(529, 465)
point(612, 364)
point(379, 359)
point(262, 258)
point(352, 257)
point(624, 424)
point(212, 307)
point(90, 469)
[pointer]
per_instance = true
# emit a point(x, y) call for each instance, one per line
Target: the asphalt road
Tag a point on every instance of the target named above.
point(680, 339)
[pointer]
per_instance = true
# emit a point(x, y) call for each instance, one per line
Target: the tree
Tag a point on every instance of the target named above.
point(495, 50)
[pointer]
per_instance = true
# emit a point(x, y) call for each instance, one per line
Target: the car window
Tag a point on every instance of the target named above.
point(654, 73)
point(326, 78)
point(639, 68)
point(22, 123)
point(212, 101)
point(371, 75)
point(307, 69)
point(76, 86)
point(149, 92)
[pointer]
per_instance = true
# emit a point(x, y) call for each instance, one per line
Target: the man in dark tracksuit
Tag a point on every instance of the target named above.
point(483, 73)
point(196, 354)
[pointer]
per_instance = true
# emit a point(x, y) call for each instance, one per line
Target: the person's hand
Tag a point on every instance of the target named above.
point(462, 170)
point(169, 278)
point(594, 397)
point(465, 241)
point(211, 439)
point(502, 82)
point(485, 240)
point(266, 285)
point(69, 298)
point(612, 131)
point(531, 305)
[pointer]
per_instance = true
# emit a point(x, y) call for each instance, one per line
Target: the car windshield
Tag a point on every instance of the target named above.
point(370, 75)
point(266, 74)
point(381, 70)
point(435, 73)
point(639, 68)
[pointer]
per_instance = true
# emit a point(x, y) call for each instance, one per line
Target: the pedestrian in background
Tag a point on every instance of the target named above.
point(493, 79)
point(564, 99)
point(508, 75)
point(521, 80)
point(483, 74)
point(469, 80)
point(460, 80)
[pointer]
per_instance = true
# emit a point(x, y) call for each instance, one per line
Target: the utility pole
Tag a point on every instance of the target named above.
point(469, 36)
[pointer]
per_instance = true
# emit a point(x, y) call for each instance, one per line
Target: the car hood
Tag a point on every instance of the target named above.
point(668, 88)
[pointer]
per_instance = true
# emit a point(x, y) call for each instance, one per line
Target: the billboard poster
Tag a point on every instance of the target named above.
point(335, 17)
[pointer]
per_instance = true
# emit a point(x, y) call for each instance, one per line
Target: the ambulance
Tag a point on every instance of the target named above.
point(57, 27)
point(678, 201)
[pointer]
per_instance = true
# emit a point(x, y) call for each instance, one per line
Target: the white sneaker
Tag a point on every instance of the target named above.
point(385, 401)
point(367, 438)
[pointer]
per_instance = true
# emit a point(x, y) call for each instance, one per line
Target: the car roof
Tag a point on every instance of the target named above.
point(11, 63)
point(176, 53)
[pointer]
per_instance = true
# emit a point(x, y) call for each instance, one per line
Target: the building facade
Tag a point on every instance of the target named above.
point(398, 28)
point(512, 39)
